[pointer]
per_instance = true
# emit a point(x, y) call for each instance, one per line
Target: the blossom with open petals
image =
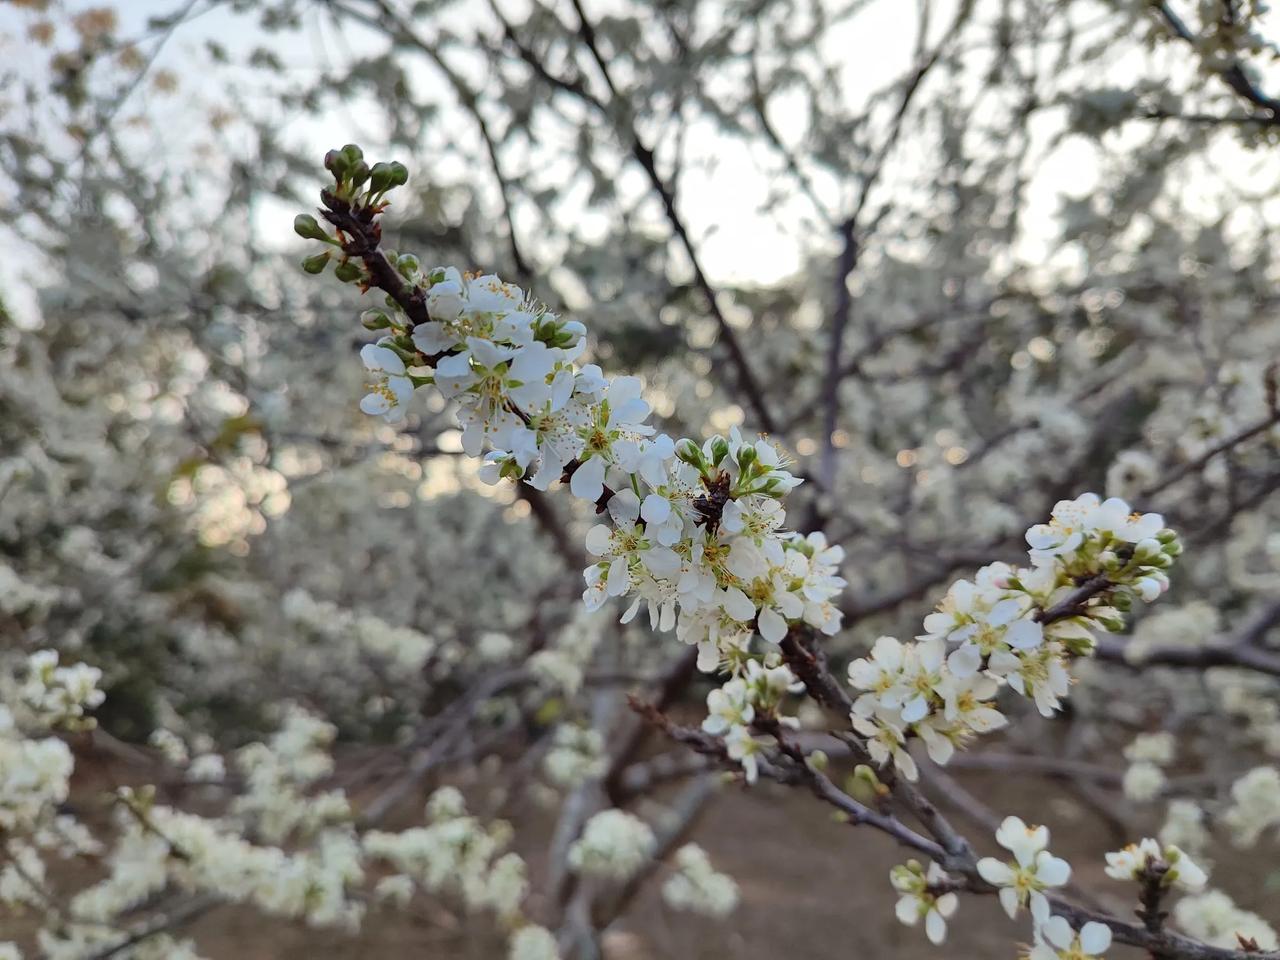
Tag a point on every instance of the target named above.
point(1032, 870)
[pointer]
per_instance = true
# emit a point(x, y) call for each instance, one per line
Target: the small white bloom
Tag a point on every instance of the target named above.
point(390, 393)
point(1032, 870)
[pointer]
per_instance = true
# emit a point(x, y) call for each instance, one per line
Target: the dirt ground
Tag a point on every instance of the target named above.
point(812, 888)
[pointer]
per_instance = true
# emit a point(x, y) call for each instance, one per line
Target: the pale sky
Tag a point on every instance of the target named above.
point(720, 192)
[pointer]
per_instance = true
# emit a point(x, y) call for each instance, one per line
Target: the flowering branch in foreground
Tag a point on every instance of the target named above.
point(697, 536)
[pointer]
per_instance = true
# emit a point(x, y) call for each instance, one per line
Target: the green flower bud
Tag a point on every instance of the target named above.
point(864, 785)
point(381, 177)
point(317, 263)
point(1079, 646)
point(690, 453)
point(353, 154)
point(719, 450)
point(1167, 536)
point(818, 760)
point(375, 319)
point(399, 173)
point(307, 227)
point(336, 162)
point(1146, 549)
point(408, 266)
point(359, 173)
point(348, 271)
point(746, 457)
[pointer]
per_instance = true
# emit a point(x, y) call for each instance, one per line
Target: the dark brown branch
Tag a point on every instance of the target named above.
point(1192, 658)
point(362, 238)
point(840, 315)
point(1222, 446)
point(1074, 603)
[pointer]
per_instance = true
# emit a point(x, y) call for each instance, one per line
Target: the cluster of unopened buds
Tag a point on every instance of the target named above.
point(1015, 627)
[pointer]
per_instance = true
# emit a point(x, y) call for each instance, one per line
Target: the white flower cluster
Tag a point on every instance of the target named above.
point(400, 647)
point(697, 886)
point(1023, 881)
point(614, 845)
point(279, 776)
point(532, 942)
point(1147, 754)
point(35, 770)
point(753, 695)
point(455, 854)
point(18, 598)
point(1215, 919)
point(1184, 826)
point(56, 696)
point(697, 533)
point(576, 756)
point(284, 844)
point(1255, 805)
point(1147, 858)
point(991, 632)
point(1251, 700)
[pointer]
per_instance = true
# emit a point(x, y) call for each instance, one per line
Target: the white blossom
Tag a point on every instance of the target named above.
point(1032, 870)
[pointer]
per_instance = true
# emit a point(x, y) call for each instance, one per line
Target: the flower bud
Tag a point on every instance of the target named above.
point(1167, 536)
point(375, 319)
point(336, 162)
point(746, 457)
point(348, 271)
point(317, 263)
point(307, 227)
point(409, 266)
point(1148, 588)
point(690, 453)
point(359, 173)
point(1145, 549)
point(864, 785)
point(399, 173)
point(380, 177)
point(719, 450)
